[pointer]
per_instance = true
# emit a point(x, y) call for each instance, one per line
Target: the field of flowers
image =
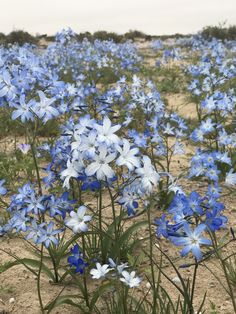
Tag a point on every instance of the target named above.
point(118, 176)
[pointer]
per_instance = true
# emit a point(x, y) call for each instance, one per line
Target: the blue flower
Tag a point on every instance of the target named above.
point(7, 89)
point(214, 190)
point(213, 173)
point(3, 190)
point(60, 205)
point(44, 109)
point(197, 135)
point(19, 221)
point(192, 240)
point(24, 110)
point(34, 204)
point(89, 183)
point(162, 227)
point(47, 234)
point(76, 260)
point(195, 203)
point(214, 220)
point(129, 200)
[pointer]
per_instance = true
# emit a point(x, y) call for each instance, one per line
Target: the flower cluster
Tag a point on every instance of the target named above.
point(27, 208)
point(92, 153)
point(129, 279)
point(190, 217)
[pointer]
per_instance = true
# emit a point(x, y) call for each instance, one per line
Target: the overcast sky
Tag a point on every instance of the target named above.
point(150, 16)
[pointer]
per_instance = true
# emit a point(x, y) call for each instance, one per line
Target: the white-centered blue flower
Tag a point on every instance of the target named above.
point(24, 110)
point(192, 240)
point(44, 109)
point(3, 190)
point(207, 126)
point(168, 129)
point(7, 89)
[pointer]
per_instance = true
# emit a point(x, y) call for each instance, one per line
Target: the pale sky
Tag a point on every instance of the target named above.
point(150, 16)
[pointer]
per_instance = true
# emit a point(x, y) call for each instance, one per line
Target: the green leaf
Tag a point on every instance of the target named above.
point(125, 237)
point(138, 305)
point(61, 251)
point(28, 263)
point(108, 238)
point(64, 299)
point(99, 292)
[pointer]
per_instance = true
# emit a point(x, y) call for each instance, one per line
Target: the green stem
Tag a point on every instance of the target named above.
point(38, 280)
point(113, 213)
point(125, 297)
point(193, 286)
point(86, 295)
point(100, 222)
point(151, 260)
point(54, 266)
point(79, 194)
point(36, 166)
point(231, 293)
point(223, 265)
point(216, 131)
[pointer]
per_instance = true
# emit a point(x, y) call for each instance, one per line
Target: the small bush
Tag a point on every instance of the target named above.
point(220, 32)
point(20, 37)
point(2, 38)
point(134, 34)
point(103, 35)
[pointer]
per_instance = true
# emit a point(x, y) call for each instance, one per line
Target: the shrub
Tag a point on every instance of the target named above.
point(220, 32)
point(20, 37)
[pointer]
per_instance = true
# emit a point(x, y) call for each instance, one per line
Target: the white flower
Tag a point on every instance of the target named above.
point(209, 104)
point(119, 268)
point(72, 171)
point(88, 144)
point(149, 176)
point(44, 108)
point(223, 157)
point(127, 121)
point(168, 129)
point(100, 165)
point(85, 123)
point(127, 156)
point(136, 81)
point(129, 198)
point(100, 271)
point(24, 148)
point(129, 279)
point(178, 148)
point(230, 178)
point(106, 132)
point(78, 220)
point(173, 187)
